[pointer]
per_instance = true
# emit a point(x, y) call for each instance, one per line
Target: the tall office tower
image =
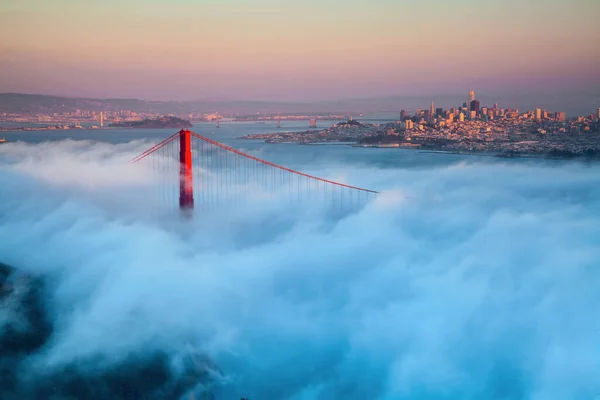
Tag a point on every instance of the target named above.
point(538, 114)
point(475, 106)
point(439, 112)
point(101, 119)
point(461, 117)
point(471, 97)
point(402, 115)
point(598, 115)
point(560, 116)
point(431, 111)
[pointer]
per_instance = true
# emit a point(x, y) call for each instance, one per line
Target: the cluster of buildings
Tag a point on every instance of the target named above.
point(85, 118)
point(471, 119)
point(472, 111)
point(74, 119)
point(98, 119)
point(472, 128)
point(468, 128)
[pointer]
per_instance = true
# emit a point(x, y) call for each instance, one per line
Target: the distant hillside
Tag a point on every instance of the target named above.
point(158, 123)
point(31, 103)
point(26, 103)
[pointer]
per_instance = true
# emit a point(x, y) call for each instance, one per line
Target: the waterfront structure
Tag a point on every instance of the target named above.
point(101, 119)
point(313, 123)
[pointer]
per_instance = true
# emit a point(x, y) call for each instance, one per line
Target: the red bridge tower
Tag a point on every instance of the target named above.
point(186, 183)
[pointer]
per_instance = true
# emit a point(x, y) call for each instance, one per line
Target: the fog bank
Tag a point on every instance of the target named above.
point(474, 280)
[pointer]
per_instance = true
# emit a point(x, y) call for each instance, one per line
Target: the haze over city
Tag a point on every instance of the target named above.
point(300, 50)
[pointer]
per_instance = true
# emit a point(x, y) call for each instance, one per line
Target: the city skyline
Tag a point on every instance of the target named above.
point(27, 104)
point(298, 51)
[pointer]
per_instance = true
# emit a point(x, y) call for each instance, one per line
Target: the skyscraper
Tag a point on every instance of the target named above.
point(431, 111)
point(471, 97)
point(598, 115)
point(538, 114)
point(101, 119)
point(402, 115)
point(475, 106)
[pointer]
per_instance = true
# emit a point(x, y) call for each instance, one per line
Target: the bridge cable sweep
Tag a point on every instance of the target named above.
point(198, 170)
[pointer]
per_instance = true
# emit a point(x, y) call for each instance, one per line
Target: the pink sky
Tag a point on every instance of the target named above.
point(296, 49)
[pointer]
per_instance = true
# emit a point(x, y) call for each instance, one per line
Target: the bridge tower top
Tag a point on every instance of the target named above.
point(186, 183)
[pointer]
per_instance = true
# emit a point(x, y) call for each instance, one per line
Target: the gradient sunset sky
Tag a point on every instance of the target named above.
point(297, 49)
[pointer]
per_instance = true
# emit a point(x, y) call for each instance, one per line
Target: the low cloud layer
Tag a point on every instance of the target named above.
point(477, 279)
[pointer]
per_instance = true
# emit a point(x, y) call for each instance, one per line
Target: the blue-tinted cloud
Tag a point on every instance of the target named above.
point(483, 287)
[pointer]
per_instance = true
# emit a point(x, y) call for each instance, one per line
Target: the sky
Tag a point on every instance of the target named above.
point(298, 49)
point(446, 285)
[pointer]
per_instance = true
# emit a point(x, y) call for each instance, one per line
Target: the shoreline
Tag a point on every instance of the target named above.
point(573, 157)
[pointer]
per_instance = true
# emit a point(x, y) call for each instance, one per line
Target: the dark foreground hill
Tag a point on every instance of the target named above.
point(26, 330)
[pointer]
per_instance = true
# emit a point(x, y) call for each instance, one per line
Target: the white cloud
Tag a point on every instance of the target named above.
point(482, 284)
